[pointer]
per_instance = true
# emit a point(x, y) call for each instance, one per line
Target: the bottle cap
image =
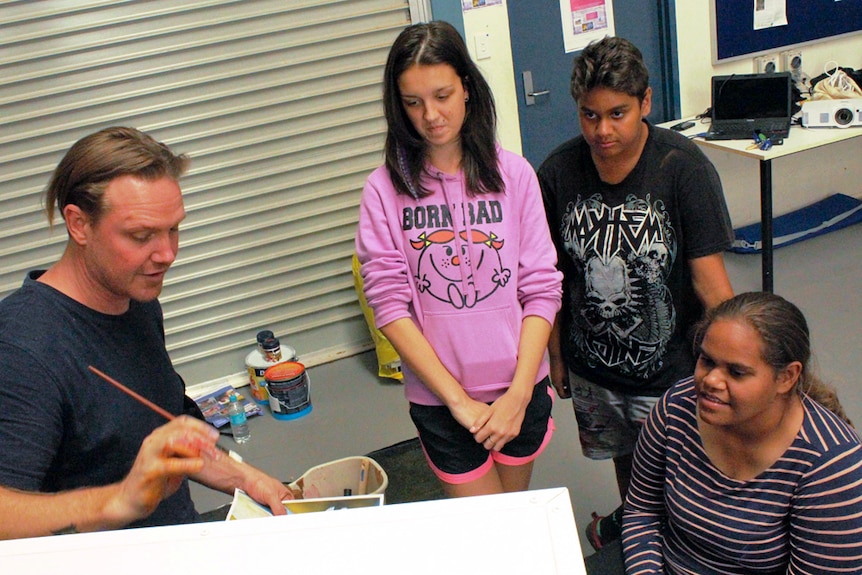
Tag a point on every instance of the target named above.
point(233, 398)
point(263, 335)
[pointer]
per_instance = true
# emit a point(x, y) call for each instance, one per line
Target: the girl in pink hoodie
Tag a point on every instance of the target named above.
point(459, 268)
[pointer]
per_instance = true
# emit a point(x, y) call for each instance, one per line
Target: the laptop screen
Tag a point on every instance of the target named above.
point(749, 96)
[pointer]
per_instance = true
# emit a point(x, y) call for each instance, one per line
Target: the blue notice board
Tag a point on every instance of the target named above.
point(807, 21)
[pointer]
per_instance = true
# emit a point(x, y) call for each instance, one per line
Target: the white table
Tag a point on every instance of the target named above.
point(512, 534)
point(799, 140)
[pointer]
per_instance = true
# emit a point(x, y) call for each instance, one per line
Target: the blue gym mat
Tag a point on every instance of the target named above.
point(830, 214)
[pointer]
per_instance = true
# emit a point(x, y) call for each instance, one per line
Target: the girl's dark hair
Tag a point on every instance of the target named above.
point(785, 336)
point(429, 44)
point(613, 63)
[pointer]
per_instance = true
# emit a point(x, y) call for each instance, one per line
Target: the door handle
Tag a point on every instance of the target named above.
point(529, 92)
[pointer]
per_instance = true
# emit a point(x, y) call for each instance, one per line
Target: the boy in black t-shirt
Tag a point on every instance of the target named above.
point(639, 220)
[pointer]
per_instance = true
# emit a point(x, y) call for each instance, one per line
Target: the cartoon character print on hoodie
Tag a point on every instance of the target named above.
point(441, 261)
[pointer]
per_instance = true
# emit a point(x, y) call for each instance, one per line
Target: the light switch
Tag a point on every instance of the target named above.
point(483, 45)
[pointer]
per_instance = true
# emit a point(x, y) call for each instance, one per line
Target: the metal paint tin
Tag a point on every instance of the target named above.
point(289, 390)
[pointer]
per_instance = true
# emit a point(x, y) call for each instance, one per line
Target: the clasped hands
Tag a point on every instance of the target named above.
point(493, 425)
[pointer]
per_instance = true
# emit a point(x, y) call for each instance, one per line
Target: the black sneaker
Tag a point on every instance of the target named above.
point(603, 529)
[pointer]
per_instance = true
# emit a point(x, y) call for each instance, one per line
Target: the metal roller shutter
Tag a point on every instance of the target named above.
point(277, 103)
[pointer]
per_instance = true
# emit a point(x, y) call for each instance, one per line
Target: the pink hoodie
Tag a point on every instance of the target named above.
point(466, 269)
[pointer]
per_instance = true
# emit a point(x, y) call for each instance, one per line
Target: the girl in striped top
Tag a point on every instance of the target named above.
point(751, 466)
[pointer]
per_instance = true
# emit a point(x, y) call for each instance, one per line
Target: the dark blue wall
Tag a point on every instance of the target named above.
point(449, 11)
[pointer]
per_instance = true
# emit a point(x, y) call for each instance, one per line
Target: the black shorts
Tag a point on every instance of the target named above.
point(453, 453)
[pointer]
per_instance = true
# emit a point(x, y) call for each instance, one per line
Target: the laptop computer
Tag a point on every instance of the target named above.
point(745, 104)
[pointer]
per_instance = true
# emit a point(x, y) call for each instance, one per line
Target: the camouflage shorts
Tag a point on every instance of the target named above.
point(608, 421)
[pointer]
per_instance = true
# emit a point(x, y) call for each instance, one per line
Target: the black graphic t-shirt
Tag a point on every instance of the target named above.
point(628, 302)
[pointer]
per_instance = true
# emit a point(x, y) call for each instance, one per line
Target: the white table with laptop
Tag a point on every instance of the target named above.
point(756, 103)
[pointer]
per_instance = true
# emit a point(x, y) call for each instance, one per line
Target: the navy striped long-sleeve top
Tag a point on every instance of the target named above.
point(803, 515)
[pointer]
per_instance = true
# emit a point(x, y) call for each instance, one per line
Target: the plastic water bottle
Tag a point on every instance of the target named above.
point(238, 422)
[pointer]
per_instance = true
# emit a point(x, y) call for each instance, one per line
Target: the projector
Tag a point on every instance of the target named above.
point(832, 113)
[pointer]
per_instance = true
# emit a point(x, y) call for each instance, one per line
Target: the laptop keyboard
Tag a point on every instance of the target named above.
point(745, 128)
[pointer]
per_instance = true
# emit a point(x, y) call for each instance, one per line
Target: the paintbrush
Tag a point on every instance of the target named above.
point(164, 413)
point(161, 411)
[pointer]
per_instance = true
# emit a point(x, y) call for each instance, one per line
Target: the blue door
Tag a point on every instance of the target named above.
point(537, 47)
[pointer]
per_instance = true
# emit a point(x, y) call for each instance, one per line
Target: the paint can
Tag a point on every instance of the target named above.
point(289, 390)
point(268, 352)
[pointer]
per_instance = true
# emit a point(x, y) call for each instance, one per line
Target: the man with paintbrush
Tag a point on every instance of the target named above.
point(77, 454)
